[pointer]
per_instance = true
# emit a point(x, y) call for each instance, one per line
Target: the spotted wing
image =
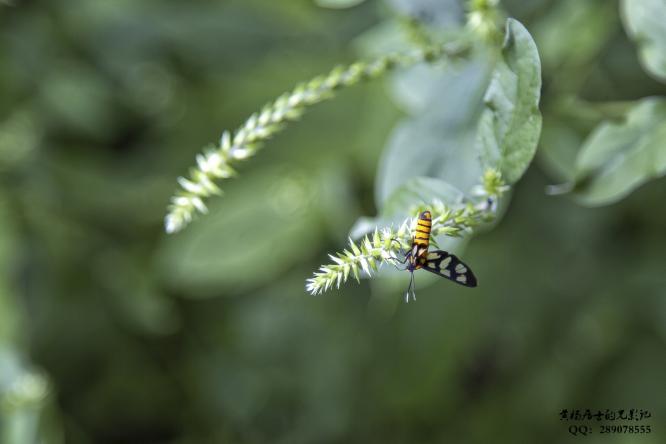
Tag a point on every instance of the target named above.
point(449, 266)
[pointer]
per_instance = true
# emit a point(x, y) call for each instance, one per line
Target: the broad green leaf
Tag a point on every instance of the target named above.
point(419, 191)
point(452, 94)
point(510, 124)
point(251, 236)
point(467, 117)
point(438, 141)
point(338, 4)
point(618, 158)
point(414, 192)
point(644, 21)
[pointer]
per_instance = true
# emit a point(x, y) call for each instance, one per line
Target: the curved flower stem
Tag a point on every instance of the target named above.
point(217, 162)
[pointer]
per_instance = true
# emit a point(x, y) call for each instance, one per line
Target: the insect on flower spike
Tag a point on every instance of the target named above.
point(438, 262)
point(389, 245)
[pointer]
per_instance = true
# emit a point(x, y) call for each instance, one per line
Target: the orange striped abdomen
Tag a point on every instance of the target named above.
point(421, 240)
point(422, 235)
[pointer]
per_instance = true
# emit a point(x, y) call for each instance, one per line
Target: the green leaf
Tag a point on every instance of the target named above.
point(420, 191)
point(510, 125)
point(466, 117)
point(644, 21)
point(338, 4)
point(438, 141)
point(247, 239)
point(416, 191)
point(618, 158)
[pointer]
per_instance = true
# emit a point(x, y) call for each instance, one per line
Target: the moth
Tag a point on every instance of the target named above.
point(439, 262)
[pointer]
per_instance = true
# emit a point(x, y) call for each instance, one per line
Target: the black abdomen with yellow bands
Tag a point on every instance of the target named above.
point(422, 235)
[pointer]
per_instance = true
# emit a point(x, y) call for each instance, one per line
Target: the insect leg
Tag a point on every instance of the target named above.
point(400, 247)
point(412, 288)
point(395, 239)
point(400, 261)
point(404, 259)
point(398, 268)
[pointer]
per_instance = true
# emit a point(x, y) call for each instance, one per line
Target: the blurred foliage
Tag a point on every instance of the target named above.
point(619, 157)
point(335, 4)
point(110, 332)
point(645, 23)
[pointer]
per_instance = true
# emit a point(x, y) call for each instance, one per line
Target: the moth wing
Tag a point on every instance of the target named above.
point(449, 266)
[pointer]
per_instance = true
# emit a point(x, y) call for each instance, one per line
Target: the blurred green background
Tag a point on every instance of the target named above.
point(113, 332)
